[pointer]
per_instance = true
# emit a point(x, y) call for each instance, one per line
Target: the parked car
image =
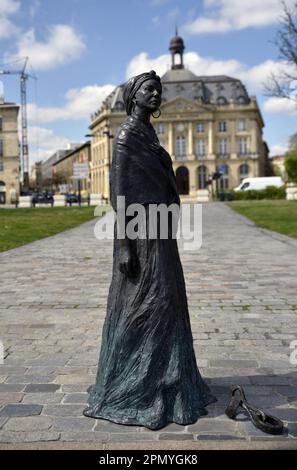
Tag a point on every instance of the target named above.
point(259, 183)
point(43, 198)
point(71, 198)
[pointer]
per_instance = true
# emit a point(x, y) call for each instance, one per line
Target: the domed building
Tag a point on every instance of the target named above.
point(208, 124)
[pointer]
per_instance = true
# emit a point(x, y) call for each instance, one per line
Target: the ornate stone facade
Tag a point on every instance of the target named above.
point(207, 123)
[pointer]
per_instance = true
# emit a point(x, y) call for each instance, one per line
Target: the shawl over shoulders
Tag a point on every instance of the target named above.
point(141, 169)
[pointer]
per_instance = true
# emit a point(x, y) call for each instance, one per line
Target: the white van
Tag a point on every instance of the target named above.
point(259, 183)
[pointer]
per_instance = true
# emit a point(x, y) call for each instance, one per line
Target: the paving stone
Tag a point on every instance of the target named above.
point(41, 388)
point(84, 436)
point(29, 423)
point(43, 398)
point(132, 437)
point(76, 398)
point(29, 379)
point(218, 437)
point(73, 379)
point(20, 410)
point(63, 410)
point(103, 425)
point(166, 436)
point(213, 426)
point(232, 363)
point(7, 388)
point(73, 424)
point(21, 437)
point(13, 397)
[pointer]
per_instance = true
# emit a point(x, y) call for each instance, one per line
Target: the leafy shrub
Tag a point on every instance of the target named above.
point(271, 192)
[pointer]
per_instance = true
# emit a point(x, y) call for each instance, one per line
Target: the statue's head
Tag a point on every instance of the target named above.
point(143, 90)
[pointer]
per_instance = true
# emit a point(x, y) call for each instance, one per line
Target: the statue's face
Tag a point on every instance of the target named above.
point(149, 95)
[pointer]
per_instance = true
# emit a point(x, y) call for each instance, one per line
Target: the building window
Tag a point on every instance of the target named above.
point(224, 179)
point(1, 123)
point(200, 127)
point(160, 128)
point(241, 100)
point(243, 146)
point(221, 101)
point(180, 147)
point(242, 125)
point(1, 148)
point(222, 126)
point(243, 171)
point(1, 165)
point(223, 147)
point(202, 177)
point(200, 148)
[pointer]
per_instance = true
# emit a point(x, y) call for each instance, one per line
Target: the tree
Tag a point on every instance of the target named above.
point(291, 165)
point(284, 83)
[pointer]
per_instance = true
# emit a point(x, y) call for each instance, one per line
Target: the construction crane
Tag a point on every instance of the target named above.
point(25, 148)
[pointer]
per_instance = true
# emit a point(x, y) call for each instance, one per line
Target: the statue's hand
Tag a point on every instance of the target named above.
point(128, 263)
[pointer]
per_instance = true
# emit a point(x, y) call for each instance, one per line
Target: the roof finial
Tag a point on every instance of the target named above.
point(176, 31)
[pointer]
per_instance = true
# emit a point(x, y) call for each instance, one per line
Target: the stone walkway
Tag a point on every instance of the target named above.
point(243, 303)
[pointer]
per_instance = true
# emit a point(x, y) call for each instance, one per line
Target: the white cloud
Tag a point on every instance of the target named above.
point(62, 45)
point(80, 103)
point(276, 105)
point(7, 8)
point(226, 15)
point(278, 149)
point(254, 77)
point(43, 143)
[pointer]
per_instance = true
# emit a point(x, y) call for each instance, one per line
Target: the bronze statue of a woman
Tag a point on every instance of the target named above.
point(147, 373)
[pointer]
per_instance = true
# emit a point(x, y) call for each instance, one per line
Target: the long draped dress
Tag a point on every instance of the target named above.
point(147, 373)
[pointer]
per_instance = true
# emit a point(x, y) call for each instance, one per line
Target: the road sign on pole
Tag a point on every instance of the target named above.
point(80, 170)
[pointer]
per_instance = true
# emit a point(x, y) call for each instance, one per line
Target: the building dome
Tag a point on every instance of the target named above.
point(176, 44)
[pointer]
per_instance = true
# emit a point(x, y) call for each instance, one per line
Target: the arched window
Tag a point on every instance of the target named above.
point(180, 147)
point(202, 176)
point(221, 101)
point(243, 171)
point(241, 99)
point(224, 179)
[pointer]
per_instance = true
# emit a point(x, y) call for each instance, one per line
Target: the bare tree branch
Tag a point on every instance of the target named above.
point(281, 84)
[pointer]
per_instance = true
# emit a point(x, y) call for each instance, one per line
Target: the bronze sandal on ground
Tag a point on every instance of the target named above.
point(260, 419)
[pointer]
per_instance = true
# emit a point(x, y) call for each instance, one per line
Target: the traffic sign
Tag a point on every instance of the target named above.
point(80, 170)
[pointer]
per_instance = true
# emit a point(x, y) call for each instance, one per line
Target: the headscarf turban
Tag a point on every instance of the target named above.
point(133, 85)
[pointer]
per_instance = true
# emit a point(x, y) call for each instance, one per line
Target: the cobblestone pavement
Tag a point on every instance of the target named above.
point(242, 297)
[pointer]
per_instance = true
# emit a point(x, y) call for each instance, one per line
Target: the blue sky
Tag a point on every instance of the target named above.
point(81, 49)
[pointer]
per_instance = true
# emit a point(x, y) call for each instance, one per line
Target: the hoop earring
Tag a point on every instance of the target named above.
point(156, 117)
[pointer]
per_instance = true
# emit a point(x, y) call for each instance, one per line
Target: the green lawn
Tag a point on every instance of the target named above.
point(277, 215)
point(21, 226)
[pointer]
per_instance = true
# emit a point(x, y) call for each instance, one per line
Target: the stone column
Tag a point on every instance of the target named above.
point(253, 143)
point(192, 180)
point(191, 155)
point(233, 143)
point(210, 140)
